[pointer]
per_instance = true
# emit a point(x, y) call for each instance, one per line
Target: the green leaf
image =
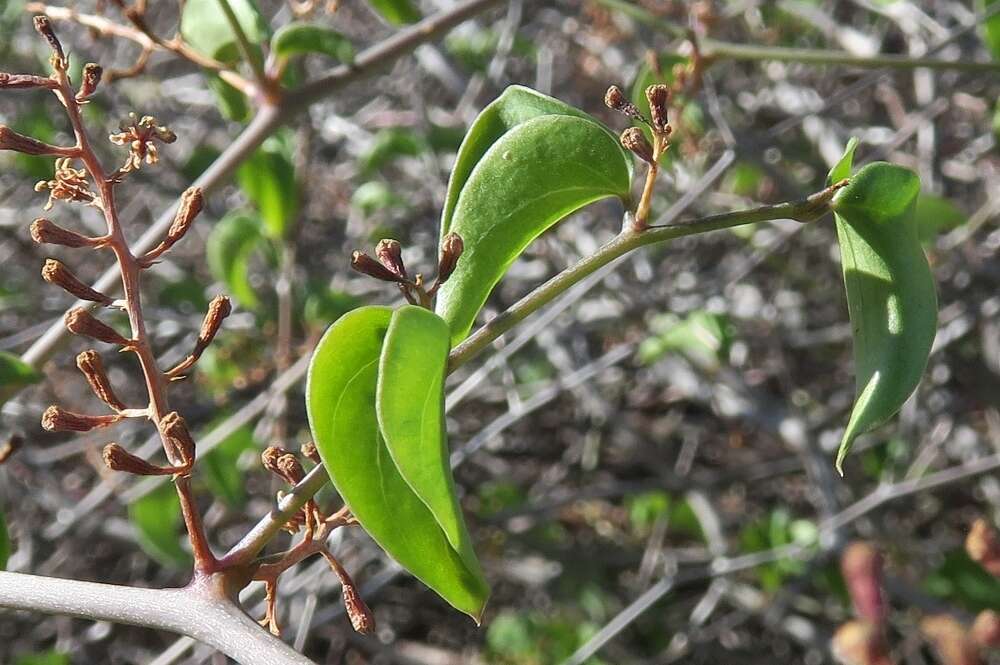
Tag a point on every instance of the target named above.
point(702, 336)
point(515, 106)
point(15, 374)
point(396, 12)
point(374, 196)
point(990, 28)
point(268, 179)
point(157, 519)
point(961, 580)
point(340, 401)
point(529, 180)
point(301, 38)
point(221, 468)
point(935, 215)
point(206, 29)
point(228, 250)
point(232, 103)
point(45, 658)
point(4, 543)
point(410, 409)
point(842, 169)
point(890, 290)
point(392, 143)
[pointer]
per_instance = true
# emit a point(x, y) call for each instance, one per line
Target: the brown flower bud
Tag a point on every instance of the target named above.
point(452, 247)
point(175, 429)
point(119, 459)
point(290, 468)
point(369, 266)
point(81, 322)
point(311, 452)
point(615, 99)
point(92, 367)
point(390, 254)
point(983, 546)
point(92, 73)
point(362, 619)
point(192, 202)
point(269, 458)
point(860, 643)
point(950, 640)
point(11, 140)
point(56, 419)
point(861, 566)
point(25, 81)
point(9, 447)
point(218, 310)
point(634, 140)
point(985, 629)
point(44, 231)
point(44, 28)
point(658, 96)
point(54, 272)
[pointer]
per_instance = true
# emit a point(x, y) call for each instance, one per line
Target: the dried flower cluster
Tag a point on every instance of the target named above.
point(141, 136)
point(390, 268)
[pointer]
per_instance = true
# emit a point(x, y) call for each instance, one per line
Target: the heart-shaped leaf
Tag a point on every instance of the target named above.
point(340, 400)
point(410, 407)
point(302, 38)
point(890, 290)
point(396, 12)
point(528, 180)
point(205, 27)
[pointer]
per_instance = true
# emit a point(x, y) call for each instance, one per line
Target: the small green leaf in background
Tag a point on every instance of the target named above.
point(529, 179)
point(340, 401)
point(396, 12)
point(221, 470)
point(232, 104)
point(961, 580)
point(891, 295)
point(4, 543)
point(703, 337)
point(410, 409)
point(15, 374)
point(228, 249)
point(990, 28)
point(374, 196)
point(777, 530)
point(268, 180)
point(391, 143)
point(297, 38)
point(157, 519)
point(324, 305)
point(205, 27)
point(46, 658)
point(935, 215)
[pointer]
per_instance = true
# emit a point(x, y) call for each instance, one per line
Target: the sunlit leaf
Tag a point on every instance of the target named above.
point(205, 28)
point(157, 519)
point(298, 38)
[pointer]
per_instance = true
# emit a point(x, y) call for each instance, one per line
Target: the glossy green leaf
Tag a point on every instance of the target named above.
point(515, 106)
point(302, 38)
point(4, 543)
point(396, 12)
point(528, 180)
point(268, 179)
point(228, 249)
point(221, 470)
point(890, 290)
point(410, 408)
point(205, 27)
point(340, 400)
point(157, 519)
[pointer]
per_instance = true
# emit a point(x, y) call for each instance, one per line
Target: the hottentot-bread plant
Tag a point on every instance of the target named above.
point(375, 390)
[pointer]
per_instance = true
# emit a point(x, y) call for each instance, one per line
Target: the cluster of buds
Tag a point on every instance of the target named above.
point(141, 136)
point(390, 268)
point(317, 526)
point(180, 452)
point(633, 138)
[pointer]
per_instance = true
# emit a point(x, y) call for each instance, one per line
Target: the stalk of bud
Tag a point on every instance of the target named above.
point(635, 141)
point(390, 254)
point(311, 452)
point(92, 74)
point(56, 419)
point(950, 640)
point(175, 429)
point(81, 322)
point(983, 546)
point(119, 459)
point(861, 565)
point(11, 140)
point(615, 99)
point(54, 272)
point(44, 28)
point(369, 266)
point(985, 629)
point(92, 367)
point(658, 96)
point(451, 251)
point(44, 231)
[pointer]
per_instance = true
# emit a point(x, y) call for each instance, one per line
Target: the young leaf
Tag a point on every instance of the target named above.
point(890, 290)
point(205, 27)
point(340, 401)
point(157, 519)
point(4, 543)
point(516, 105)
point(410, 408)
point(396, 12)
point(268, 179)
point(301, 38)
point(528, 180)
point(228, 250)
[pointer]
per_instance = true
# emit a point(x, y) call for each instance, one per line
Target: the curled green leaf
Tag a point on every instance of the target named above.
point(301, 38)
point(890, 290)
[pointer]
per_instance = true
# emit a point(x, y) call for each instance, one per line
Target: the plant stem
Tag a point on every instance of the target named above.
point(247, 50)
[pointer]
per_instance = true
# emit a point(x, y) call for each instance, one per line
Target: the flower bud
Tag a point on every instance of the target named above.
point(658, 96)
point(44, 28)
point(985, 629)
point(44, 231)
point(451, 251)
point(290, 468)
point(92, 73)
point(192, 201)
point(11, 140)
point(635, 141)
point(174, 427)
point(54, 272)
point(81, 322)
point(390, 254)
point(311, 452)
point(369, 266)
point(56, 419)
point(861, 566)
point(615, 99)
point(218, 310)
point(860, 643)
point(118, 459)
point(950, 640)
point(269, 458)
point(362, 619)
point(25, 81)
point(983, 546)
point(92, 367)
